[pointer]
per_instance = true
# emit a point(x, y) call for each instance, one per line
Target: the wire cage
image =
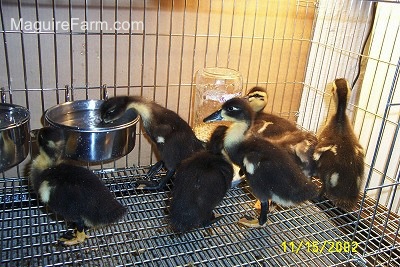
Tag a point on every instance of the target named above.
point(153, 48)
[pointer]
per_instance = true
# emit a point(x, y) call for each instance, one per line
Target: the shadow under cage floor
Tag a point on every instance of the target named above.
point(296, 236)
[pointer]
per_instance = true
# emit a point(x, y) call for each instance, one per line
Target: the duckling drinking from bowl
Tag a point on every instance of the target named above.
point(270, 171)
point(339, 155)
point(173, 137)
point(73, 192)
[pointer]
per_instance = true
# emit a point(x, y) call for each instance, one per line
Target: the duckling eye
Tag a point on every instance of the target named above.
point(258, 96)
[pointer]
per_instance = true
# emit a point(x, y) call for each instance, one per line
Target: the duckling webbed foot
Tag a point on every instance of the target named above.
point(154, 185)
point(156, 168)
point(272, 205)
point(256, 223)
point(74, 237)
point(251, 222)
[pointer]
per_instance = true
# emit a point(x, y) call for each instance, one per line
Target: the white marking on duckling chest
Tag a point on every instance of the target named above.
point(334, 179)
point(45, 191)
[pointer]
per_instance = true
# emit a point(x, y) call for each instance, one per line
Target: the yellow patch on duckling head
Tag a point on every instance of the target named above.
point(257, 100)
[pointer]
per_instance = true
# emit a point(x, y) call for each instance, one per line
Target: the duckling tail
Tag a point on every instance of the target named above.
point(311, 190)
point(118, 212)
point(183, 221)
point(112, 213)
point(346, 203)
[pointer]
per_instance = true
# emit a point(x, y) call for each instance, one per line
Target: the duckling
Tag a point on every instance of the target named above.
point(267, 124)
point(339, 156)
point(73, 192)
point(173, 137)
point(282, 132)
point(202, 181)
point(203, 132)
point(270, 171)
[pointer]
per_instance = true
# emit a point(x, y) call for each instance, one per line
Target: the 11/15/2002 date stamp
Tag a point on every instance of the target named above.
point(320, 246)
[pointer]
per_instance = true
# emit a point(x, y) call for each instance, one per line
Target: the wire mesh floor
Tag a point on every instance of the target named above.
point(143, 237)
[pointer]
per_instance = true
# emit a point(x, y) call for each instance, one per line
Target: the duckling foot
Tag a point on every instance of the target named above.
point(272, 205)
point(154, 185)
point(156, 168)
point(71, 238)
point(214, 218)
point(250, 222)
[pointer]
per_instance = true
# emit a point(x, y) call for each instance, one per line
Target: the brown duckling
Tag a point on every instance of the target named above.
point(339, 155)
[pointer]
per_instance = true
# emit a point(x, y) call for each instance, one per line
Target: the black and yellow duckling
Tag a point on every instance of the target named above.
point(267, 124)
point(282, 132)
point(203, 132)
point(339, 156)
point(73, 192)
point(202, 181)
point(270, 171)
point(173, 137)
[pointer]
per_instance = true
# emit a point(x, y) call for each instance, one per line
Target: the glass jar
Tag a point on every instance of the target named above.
point(214, 86)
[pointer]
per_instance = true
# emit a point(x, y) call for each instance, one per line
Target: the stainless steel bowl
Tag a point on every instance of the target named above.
point(88, 138)
point(14, 135)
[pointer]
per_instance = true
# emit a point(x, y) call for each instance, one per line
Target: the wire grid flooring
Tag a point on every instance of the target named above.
point(143, 237)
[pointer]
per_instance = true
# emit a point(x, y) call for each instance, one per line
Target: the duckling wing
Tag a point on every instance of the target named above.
point(160, 132)
point(276, 175)
point(251, 162)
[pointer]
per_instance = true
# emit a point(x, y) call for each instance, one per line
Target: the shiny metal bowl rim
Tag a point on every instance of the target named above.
point(19, 123)
point(89, 130)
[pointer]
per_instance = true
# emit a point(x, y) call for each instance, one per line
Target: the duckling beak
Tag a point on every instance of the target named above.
point(216, 116)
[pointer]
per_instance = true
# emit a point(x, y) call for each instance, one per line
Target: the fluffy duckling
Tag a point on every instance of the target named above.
point(282, 132)
point(271, 172)
point(73, 192)
point(202, 181)
point(203, 132)
point(173, 137)
point(339, 156)
point(267, 124)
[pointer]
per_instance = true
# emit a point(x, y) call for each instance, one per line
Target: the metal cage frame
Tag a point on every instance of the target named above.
point(294, 48)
